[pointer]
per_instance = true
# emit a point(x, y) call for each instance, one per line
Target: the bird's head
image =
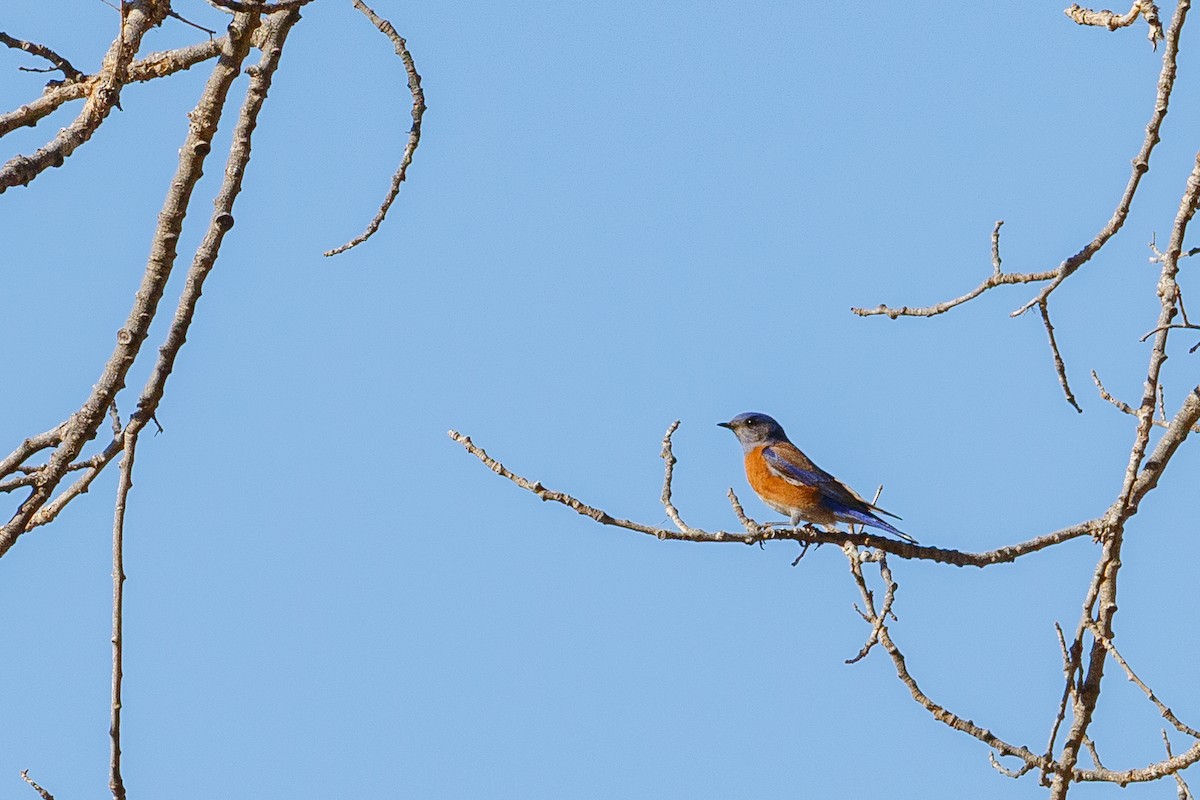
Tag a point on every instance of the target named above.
point(754, 429)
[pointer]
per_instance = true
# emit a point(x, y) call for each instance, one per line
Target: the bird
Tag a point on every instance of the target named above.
point(789, 482)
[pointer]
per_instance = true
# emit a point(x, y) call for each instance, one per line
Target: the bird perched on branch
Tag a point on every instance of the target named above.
point(789, 482)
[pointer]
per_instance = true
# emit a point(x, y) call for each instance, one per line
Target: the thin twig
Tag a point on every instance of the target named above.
point(876, 620)
point(752, 527)
point(1141, 164)
point(186, 21)
point(803, 552)
point(1070, 659)
point(1091, 748)
point(1059, 367)
point(414, 133)
point(669, 462)
point(1187, 326)
point(990, 282)
point(1125, 407)
point(45, 795)
point(1005, 771)
point(115, 782)
point(1183, 791)
point(996, 247)
point(60, 63)
point(1166, 712)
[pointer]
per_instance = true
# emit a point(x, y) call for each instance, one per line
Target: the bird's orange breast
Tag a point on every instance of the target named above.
point(782, 495)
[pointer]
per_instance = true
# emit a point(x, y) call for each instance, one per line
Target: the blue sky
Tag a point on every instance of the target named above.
point(620, 215)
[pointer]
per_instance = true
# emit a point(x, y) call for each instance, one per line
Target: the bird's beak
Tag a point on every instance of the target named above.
point(726, 425)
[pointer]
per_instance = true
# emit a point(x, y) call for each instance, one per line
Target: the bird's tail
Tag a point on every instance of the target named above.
point(869, 519)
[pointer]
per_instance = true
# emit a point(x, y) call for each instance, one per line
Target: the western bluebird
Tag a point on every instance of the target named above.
point(789, 482)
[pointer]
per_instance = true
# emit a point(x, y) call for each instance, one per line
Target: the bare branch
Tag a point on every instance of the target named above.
point(156, 65)
point(115, 782)
point(275, 30)
point(69, 72)
point(1168, 292)
point(545, 494)
point(34, 444)
point(758, 533)
point(669, 461)
point(1005, 771)
point(1183, 791)
point(189, 23)
point(1100, 606)
point(1112, 20)
point(137, 17)
point(1104, 19)
point(414, 133)
point(876, 621)
point(1059, 367)
point(1070, 660)
point(1124, 407)
point(880, 634)
point(258, 8)
point(1151, 772)
point(33, 474)
point(84, 424)
point(994, 280)
point(752, 527)
point(1141, 164)
point(94, 466)
point(45, 795)
point(1166, 712)
point(996, 247)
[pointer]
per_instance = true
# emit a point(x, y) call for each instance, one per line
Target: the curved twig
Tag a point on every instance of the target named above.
point(414, 133)
point(61, 64)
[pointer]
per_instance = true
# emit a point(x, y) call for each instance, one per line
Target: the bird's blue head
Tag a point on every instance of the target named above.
point(753, 429)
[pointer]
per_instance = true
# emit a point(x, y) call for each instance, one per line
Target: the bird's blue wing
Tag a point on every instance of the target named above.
point(789, 462)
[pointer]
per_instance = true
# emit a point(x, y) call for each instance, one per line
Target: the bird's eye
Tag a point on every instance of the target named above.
point(752, 422)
